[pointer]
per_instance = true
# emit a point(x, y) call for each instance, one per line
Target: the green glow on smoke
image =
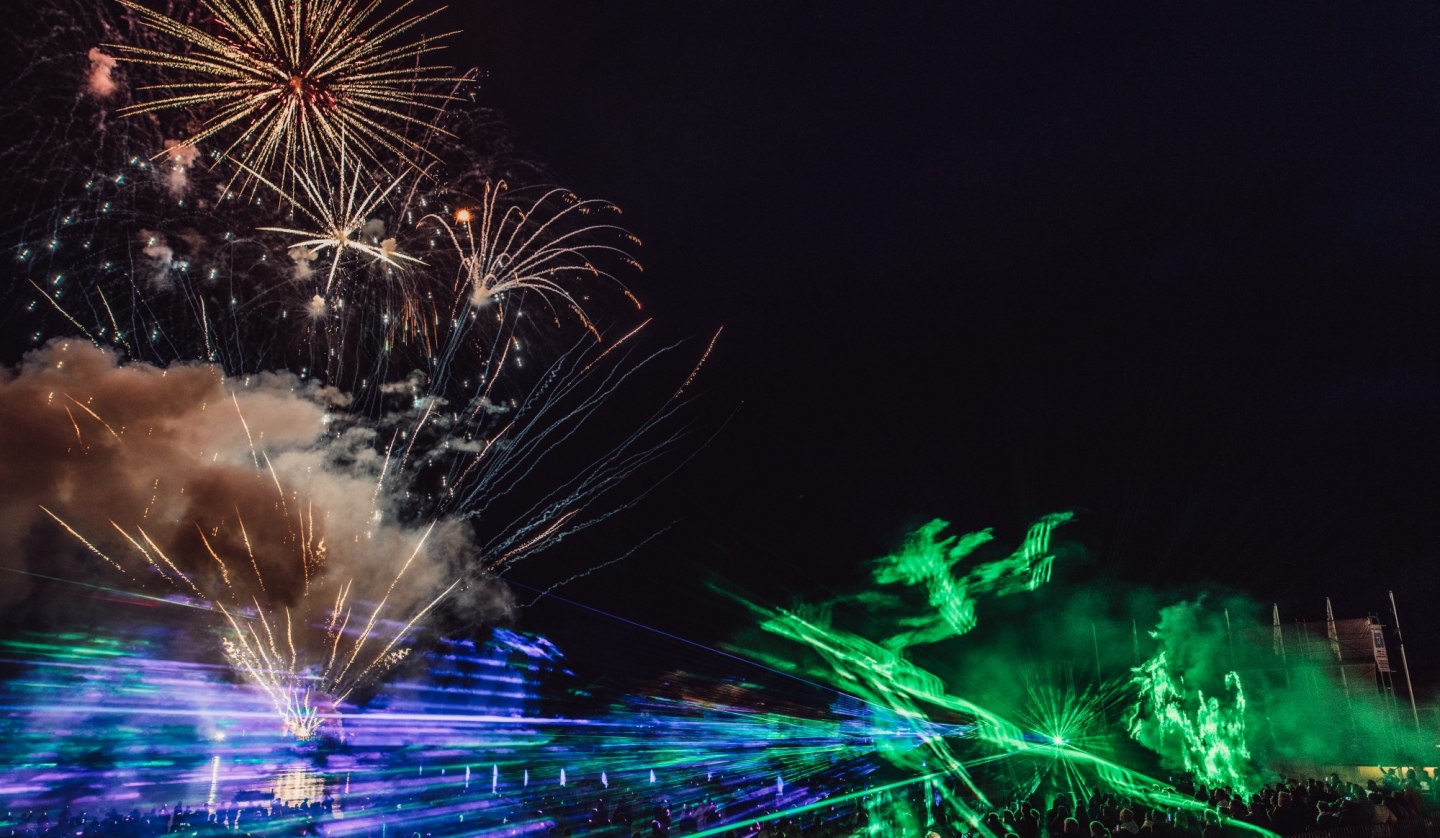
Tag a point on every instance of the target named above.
point(882, 675)
point(1208, 734)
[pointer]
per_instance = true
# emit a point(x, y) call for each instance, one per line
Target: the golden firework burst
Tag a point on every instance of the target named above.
point(289, 84)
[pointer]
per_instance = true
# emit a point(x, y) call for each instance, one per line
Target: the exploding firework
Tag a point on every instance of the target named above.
point(510, 249)
point(298, 82)
point(361, 280)
point(260, 640)
point(341, 212)
point(447, 285)
point(319, 269)
point(366, 317)
point(290, 575)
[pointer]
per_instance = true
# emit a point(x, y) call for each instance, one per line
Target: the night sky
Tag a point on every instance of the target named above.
point(1171, 267)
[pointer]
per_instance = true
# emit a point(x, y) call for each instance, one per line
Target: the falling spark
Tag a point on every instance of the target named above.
point(510, 248)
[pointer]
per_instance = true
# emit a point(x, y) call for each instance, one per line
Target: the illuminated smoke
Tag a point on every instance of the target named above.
point(304, 259)
point(874, 665)
point(161, 256)
point(100, 82)
point(181, 159)
point(195, 458)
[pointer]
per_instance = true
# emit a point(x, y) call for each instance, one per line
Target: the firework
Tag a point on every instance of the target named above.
point(339, 647)
point(295, 687)
point(353, 271)
point(271, 538)
point(341, 211)
point(509, 249)
point(295, 82)
point(407, 296)
point(364, 273)
point(251, 516)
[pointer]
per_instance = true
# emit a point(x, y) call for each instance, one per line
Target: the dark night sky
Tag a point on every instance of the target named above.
point(1171, 266)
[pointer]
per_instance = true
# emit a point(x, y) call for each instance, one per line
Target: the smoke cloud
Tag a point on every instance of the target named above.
point(161, 256)
point(254, 489)
point(100, 82)
point(182, 158)
point(1304, 711)
point(1073, 655)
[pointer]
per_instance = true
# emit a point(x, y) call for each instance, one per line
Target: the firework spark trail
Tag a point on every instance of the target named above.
point(339, 226)
point(299, 81)
point(704, 356)
point(541, 430)
point(419, 427)
point(67, 315)
point(161, 553)
point(620, 558)
point(569, 396)
point(114, 324)
point(224, 570)
point(249, 551)
point(93, 415)
point(249, 437)
point(322, 103)
point(261, 641)
point(79, 437)
point(506, 252)
point(83, 540)
point(374, 615)
point(387, 656)
point(335, 627)
point(531, 249)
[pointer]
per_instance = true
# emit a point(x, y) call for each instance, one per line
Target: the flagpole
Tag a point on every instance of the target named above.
point(1404, 663)
point(1279, 641)
point(1335, 646)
